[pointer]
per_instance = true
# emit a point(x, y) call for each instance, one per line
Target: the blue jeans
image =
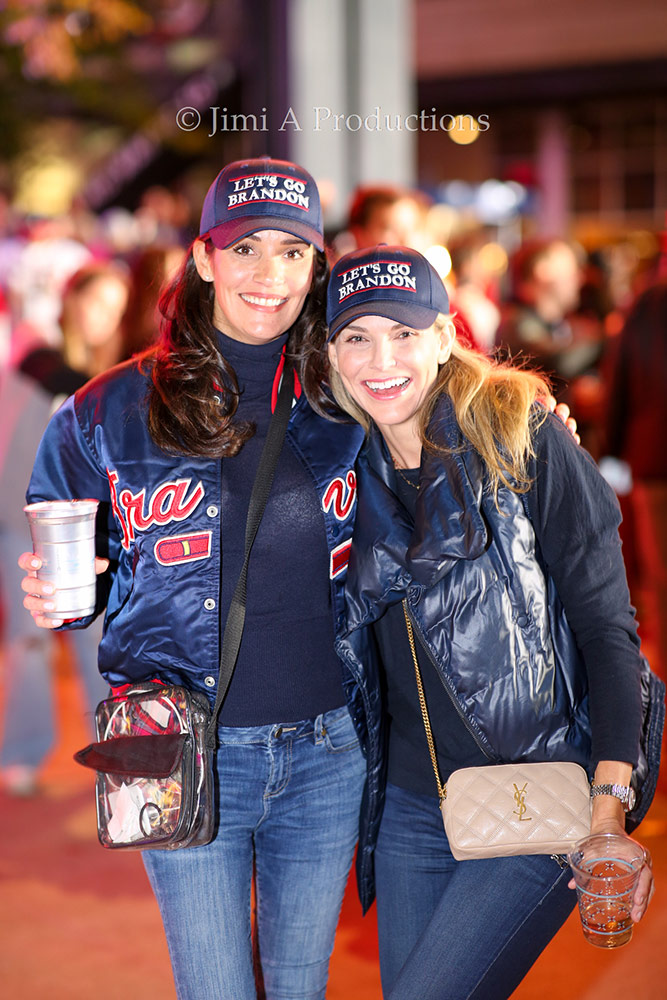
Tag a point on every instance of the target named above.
point(456, 930)
point(289, 806)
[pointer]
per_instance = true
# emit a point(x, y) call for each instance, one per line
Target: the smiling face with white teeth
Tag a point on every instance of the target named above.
point(261, 283)
point(388, 368)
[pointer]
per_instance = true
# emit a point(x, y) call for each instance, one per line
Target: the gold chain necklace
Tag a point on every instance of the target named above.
point(405, 479)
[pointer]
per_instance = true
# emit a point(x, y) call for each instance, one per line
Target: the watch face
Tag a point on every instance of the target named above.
point(632, 798)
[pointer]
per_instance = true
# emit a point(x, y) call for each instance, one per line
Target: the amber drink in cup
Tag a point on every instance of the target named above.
point(606, 869)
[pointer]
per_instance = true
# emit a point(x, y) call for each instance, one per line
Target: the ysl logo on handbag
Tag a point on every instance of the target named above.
point(520, 799)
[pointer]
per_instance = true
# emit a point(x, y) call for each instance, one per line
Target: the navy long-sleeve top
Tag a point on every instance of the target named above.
point(287, 669)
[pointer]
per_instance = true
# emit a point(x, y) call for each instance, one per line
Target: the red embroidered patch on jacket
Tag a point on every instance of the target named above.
point(183, 548)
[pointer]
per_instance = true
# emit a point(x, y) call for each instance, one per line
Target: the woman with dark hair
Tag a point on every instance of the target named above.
point(169, 444)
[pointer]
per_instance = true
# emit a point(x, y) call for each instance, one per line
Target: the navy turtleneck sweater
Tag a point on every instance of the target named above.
point(287, 669)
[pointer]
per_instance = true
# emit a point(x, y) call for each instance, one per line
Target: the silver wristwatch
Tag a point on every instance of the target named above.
point(625, 794)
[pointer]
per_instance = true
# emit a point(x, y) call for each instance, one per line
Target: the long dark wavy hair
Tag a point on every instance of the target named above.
point(195, 392)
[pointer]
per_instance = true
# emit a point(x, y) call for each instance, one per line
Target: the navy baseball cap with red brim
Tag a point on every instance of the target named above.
point(250, 195)
point(395, 282)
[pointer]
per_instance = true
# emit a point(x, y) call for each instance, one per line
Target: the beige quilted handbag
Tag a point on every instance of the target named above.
point(507, 809)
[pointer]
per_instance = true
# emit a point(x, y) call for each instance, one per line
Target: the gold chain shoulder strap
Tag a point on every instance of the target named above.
point(442, 789)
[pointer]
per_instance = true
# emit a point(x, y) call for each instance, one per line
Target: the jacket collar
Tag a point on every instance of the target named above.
point(390, 552)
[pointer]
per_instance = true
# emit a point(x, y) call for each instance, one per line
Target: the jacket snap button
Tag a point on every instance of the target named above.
point(209, 682)
point(209, 604)
point(212, 511)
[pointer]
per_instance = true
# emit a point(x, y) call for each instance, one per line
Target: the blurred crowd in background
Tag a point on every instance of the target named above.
point(79, 292)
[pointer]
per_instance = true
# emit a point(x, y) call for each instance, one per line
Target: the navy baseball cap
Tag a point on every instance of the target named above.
point(395, 282)
point(249, 195)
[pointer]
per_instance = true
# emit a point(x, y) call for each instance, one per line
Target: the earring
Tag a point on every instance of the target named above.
point(208, 277)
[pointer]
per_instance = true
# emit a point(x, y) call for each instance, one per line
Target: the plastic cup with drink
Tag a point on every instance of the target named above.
point(606, 869)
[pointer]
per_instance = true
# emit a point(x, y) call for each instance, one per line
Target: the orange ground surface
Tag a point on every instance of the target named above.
point(78, 922)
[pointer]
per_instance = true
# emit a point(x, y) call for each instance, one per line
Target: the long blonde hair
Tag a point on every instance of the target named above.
point(494, 405)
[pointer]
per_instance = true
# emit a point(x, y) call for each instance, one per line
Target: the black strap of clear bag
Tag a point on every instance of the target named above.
point(231, 640)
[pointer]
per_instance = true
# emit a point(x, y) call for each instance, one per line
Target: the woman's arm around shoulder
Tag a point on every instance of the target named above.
point(576, 516)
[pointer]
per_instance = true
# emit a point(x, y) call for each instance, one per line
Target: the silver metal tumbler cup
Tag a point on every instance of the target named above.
point(63, 536)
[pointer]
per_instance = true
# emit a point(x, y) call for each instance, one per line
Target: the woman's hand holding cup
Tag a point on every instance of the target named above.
point(40, 594)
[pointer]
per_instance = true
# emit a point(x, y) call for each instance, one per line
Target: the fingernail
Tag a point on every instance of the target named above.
point(48, 588)
point(49, 606)
point(35, 563)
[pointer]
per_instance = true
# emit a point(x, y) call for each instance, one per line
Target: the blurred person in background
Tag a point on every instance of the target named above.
point(118, 233)
point(636, 434)
point(384, 213)
point(151, 270)
point(10, 247)
point(40, 270)
point(163, 216)
point(94, 306)
point(5, 330)
point(541, 325)
point(472, 281)
point(91, 323)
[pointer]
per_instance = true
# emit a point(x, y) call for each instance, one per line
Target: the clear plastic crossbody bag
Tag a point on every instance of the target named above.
point(154, 786)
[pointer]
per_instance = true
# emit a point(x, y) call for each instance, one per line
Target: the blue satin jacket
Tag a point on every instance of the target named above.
point(158, 522)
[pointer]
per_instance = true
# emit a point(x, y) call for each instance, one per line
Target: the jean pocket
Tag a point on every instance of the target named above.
point(339, 732)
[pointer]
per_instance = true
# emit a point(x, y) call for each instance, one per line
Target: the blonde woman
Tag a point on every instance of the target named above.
point(477, 506)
